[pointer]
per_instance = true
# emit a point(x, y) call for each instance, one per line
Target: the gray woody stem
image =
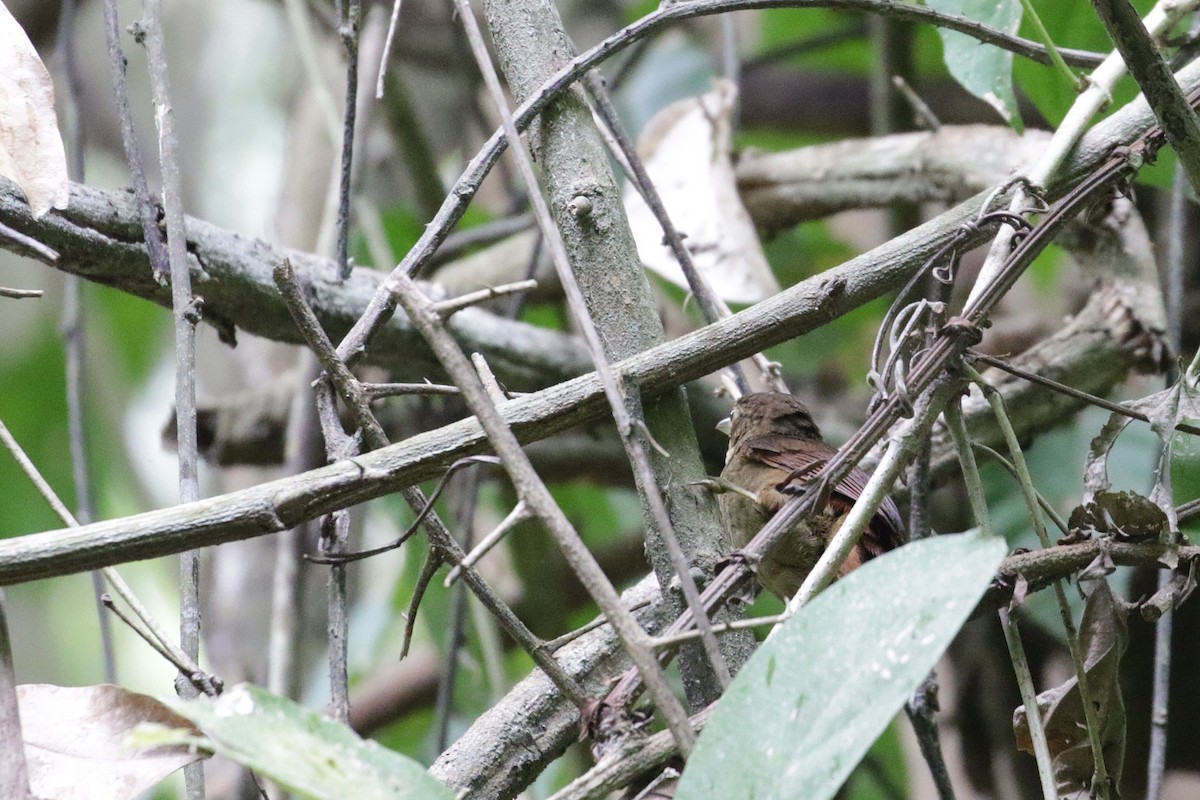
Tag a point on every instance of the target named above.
point(609, 296)
point(535, 494)
point(184, 309)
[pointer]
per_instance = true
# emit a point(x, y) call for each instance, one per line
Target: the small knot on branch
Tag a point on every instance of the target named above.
point(963, 329)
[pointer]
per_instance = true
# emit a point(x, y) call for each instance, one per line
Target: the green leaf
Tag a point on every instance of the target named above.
point(983, 70)
point(824, 687)
point(304, 752)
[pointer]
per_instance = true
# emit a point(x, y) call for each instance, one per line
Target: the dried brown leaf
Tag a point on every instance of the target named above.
point(1124, 515)
point(31, 148)
point(77, 741)
point(1103, 636)
point(687, 151)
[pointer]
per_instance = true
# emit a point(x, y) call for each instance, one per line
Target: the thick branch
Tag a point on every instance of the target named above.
point(99, 237)
point(284, 503)
point(610, 297)
point(783, 188)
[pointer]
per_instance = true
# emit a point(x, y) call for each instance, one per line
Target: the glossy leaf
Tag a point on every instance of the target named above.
point(826, 685)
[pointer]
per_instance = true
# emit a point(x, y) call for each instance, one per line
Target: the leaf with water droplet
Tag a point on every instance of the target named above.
point(305, 752)
point(902, 610)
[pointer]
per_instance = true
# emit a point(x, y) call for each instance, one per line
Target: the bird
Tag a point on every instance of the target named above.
point(771, 436)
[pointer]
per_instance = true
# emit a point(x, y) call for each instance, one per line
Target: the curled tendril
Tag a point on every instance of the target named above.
point(899, 332)
point(345, 558)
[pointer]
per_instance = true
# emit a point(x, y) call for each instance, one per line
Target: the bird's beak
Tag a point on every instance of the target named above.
point(724, 425)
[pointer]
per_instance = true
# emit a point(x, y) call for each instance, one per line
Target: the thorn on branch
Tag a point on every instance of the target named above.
point(444, 308)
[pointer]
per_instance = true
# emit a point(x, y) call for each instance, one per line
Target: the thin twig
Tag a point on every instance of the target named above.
point(433, 562)
point(444, 704)
point(111, 575)
point(1042, 502)
point(302, 450)
point(519, 514)
point(14, 777)
point(559, 642)
point(73, 331)
point(1173, 295)
point(348, 23)
point(1071, 391)
point(1064, 607)
point(334, 534)
point(145, 634)
point(975, 495)
point(385, 56)
point(156, 248)
point(301, 30)
point(48, 254)
point(447, 307)
point(20, 294)
point(339, 374)
point(376, 391)
point(484, 234)
point(1060, 66)
point(185, 312)
point(335, 528)
point(426, 509)
point(921, 110)
point(711, 306)
point(1033, 715)
point(921, 708)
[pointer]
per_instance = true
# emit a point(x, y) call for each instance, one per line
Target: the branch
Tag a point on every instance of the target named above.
point(1042, 567)
point(1146, 64)
point(99, 237)
point(610, 300)
point(511, 744)
point(1118, 330)
point(284, 503)
point(784, 188)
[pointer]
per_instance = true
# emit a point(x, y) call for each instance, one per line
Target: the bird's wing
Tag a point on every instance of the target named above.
point(887, 527)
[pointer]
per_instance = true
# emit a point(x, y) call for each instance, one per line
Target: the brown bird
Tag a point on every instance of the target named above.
point(771, 435)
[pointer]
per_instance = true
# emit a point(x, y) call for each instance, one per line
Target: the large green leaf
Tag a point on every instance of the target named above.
point(308, 754)
point(984, 70)
point(804, 710)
